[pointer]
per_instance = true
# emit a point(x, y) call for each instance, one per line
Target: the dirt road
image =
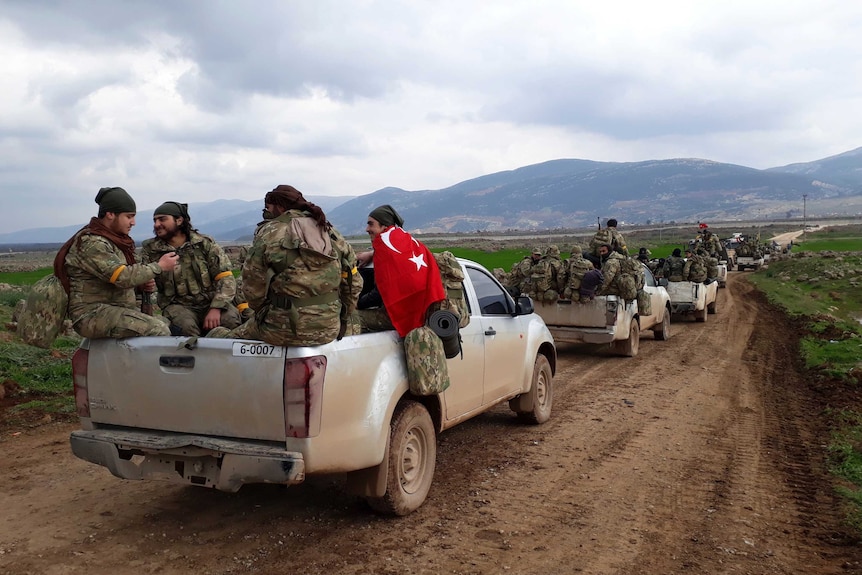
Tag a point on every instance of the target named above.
point(696, 456)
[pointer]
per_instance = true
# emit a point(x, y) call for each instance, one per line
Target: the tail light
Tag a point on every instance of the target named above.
point(79, 380)
point(303, 391)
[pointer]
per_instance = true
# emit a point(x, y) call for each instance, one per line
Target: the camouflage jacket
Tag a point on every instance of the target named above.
point(610, 270)
point(694, 269)
point(98, 275)
point(519, 277)
point(673, 268)
point(292, 278)
point(712, 245)
point(202, 278)
point(609, 236)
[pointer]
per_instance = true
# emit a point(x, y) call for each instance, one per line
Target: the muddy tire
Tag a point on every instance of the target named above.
point(629, 347)
point(662, 332)
point(535, 405)
point(412, 459)
point(711, 308)
point(700, 315)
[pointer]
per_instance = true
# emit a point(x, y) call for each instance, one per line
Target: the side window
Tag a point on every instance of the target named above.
point(649, 279)
point(492, 298)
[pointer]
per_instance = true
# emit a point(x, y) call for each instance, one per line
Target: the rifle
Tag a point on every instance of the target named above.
point(146, 303)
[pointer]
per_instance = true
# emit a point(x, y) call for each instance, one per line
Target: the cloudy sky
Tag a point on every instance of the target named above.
point(200, 100)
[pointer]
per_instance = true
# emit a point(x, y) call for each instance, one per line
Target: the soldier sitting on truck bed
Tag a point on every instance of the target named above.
point(673, 266)
point(576, 268)
point(695, 267)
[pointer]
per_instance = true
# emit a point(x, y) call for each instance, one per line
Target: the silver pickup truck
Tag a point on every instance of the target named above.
point(610, 319)
point(221, 413)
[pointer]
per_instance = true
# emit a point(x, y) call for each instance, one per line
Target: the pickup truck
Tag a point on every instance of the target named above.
point(749, 262)
point(692, 298)
point(722, 274)
point(222, 413)
point(609, 319)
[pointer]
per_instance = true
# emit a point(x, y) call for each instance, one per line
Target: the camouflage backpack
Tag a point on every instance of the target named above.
point(453, 282)
point(43, 315)
point(644, 303)
point(603, 236)
point(427, 373)
point(697, 270)
point(631, 278)
point(540, 276)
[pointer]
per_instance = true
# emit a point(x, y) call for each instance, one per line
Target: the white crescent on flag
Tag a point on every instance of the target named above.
point(384, 237)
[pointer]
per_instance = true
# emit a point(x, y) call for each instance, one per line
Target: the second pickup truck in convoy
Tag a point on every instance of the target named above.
point(221, 413)
point(609, 319)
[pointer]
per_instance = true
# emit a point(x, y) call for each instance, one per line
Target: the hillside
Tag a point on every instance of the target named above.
point(564, 193)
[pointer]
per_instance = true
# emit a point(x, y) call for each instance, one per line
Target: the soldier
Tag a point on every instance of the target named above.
point(609, 235)
point(199, 294)
point(576, 269)
point(711, 243)
point(694, 269)
point(98, 270)
point(610, 269)
point(547, 277)
point(711, 263)
point(300, 276)
point(519, 277)
point(644, 255)
point(673, 266)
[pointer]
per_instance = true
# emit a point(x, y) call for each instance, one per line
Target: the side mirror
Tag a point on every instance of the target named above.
point(662, 282)
point(523, 305)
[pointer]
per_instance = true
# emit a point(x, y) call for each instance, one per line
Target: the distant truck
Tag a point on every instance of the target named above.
point(609, 319)
point(692, 298)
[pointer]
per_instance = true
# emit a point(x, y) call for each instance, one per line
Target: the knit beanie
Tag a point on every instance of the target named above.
point(115, 200)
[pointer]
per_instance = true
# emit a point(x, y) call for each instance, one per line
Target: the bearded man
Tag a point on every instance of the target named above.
point(97, 269)
point(197, 295)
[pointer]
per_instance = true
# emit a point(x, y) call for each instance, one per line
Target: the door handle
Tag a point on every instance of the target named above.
point(491, 331)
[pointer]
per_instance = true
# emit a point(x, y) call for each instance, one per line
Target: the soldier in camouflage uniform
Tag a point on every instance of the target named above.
point(694, 269)
point(611, 264)
point(198, 295)
point(674, 266)
point(610, 236)
point(711, 244)
point(711, 263)
point(519, 277)
point(576, 268)
point(547, 277)
point(97, 267)
point(300, 277)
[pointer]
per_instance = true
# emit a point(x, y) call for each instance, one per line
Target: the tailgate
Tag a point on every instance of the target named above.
point(207, 388)
point(593, 313)
point(681, 292)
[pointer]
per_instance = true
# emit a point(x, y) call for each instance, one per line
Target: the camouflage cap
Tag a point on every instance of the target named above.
point(537, 251)
point(576, 249)
point(552, 251)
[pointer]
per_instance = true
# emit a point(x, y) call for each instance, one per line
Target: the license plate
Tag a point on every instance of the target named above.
point(256, 349)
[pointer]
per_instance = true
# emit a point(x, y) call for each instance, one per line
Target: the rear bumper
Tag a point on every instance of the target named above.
point(214, 462)
point(682, 307)
point(583, 334)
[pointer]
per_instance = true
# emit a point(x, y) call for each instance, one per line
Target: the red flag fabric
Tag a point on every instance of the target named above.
point(702, 225)
point(407, 278)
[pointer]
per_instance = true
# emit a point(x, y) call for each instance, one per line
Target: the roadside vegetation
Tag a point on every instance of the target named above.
point(820, 285)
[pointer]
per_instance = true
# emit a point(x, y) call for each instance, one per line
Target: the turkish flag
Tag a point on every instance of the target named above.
point(407, 278)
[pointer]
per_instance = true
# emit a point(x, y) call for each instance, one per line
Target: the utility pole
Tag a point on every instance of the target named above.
point(804, 212)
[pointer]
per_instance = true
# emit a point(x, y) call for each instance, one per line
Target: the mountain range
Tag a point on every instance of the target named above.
point(564, 193)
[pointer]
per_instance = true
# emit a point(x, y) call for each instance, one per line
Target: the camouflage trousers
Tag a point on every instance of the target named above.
point(116, 321)
point(373, 319)
point(189, 320)
point(316, 325)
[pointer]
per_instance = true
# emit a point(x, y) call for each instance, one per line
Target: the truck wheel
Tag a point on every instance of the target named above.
point(662, 332)
point(700, 315)
point(629, 347)
point(535, 405)
point(711, 308)
point(412, 458)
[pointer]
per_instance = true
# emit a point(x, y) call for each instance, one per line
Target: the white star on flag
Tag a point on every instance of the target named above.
point(419, 260)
